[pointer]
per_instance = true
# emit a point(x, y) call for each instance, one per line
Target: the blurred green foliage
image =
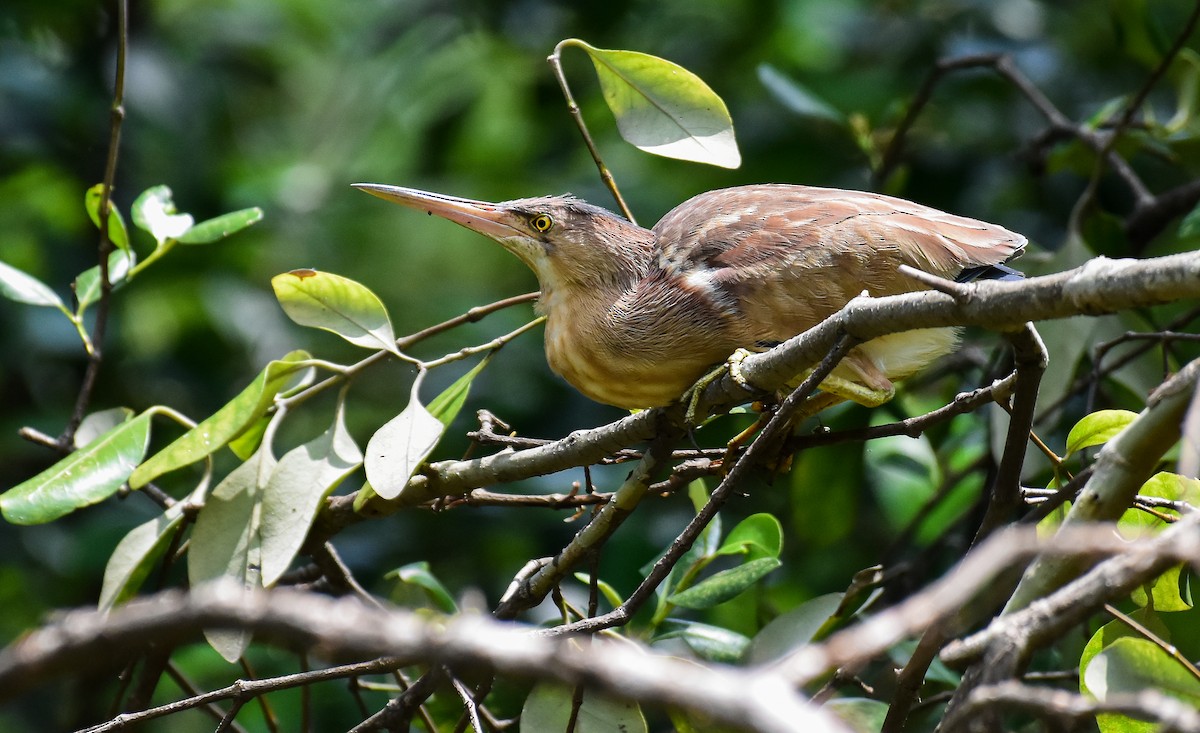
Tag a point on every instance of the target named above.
point(236, 103)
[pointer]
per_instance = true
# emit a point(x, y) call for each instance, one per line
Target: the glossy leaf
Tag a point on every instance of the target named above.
point(756, 536)
point(398, 449)
point(226, 542)
point(87, 476)
point(664, 109)
point(117, 233)
point(154, 211)
point(446, 406)
point(792, 630)
point(1116, 629)
point(725, 585)
point(136, 554)
point(87, 284)
point(225, 424)
point(711, 643)
point(1098, 428)
point(219, 227)
point(98, 423)
point(548, 708)
point(338, 304)
point(1129, 665)
point(419, 574)
point(22, 287)
point(294, 494)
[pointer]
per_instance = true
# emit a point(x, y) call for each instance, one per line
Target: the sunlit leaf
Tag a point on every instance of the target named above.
point(25, 288)
point(293, 495)
point(419, 574)
point(226, 543)
point(1118, 629)
point(793, 629)
point(219, 227)
point(1130, 665)
point(663, 108)
point(756, 536)
point(398, 449)
point(338, 304)
point(1098, 428)
point(725, 585)
point(548, 708)
point(97, 424)
point(446, 406)
point(87, 284)
point(225, 424)
point(87, 476)
point(712, 643)
point(154, 211)
point(117, 234)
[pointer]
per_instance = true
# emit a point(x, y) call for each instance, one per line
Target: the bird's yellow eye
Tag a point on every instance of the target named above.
point(541, 223)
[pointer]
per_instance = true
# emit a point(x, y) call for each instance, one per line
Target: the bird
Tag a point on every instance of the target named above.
point(635, 316)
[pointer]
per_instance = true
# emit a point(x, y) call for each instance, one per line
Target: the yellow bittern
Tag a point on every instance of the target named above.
point(636, 316)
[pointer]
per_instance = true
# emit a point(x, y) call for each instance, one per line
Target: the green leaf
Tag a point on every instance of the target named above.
point(711, 643)
point(904, 476)
point(398, 449)
point(548, 708)
point(664, 109)
point(226, 542)
point(1130, 665)
point(22, 287)
point(338, 304)
point(294, 494)
point(219, 227)
point(860, 714)
point(117, 233)
point(87, 476)
point(1097, 428)
point(725, 585)
point(227, 423)
point(610, 593)
point(98, 423)
point(419, 574)
point(1116, 629)
point(794, 629)
point(795, 97)
point(710, 538)
point(154, 211)
point(87, 284)
point(756, 536)
point(136, 554)
point(446, 406)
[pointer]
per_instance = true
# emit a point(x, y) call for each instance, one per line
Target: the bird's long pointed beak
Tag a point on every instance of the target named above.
point(488, 219)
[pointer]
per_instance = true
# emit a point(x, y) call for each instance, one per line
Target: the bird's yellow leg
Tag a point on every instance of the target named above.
point(732, 366)
point(844, 389)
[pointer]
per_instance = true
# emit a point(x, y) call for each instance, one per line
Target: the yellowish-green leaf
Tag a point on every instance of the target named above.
point(759, 535)
point(225, 424)
point(446, 406)
point(420, 575)
point(338, 304)
point(664, 109)
point(1130, 665)
point(117, 233)
point(87, 476)
point(98, 423)
point(1098, 428)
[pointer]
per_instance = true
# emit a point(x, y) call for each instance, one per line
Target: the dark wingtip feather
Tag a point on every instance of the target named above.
point(989, 272)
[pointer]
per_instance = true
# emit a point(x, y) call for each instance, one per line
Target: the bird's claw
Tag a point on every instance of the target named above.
point(732, 366)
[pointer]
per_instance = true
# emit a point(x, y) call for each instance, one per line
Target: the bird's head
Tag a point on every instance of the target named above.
point(565, 241)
